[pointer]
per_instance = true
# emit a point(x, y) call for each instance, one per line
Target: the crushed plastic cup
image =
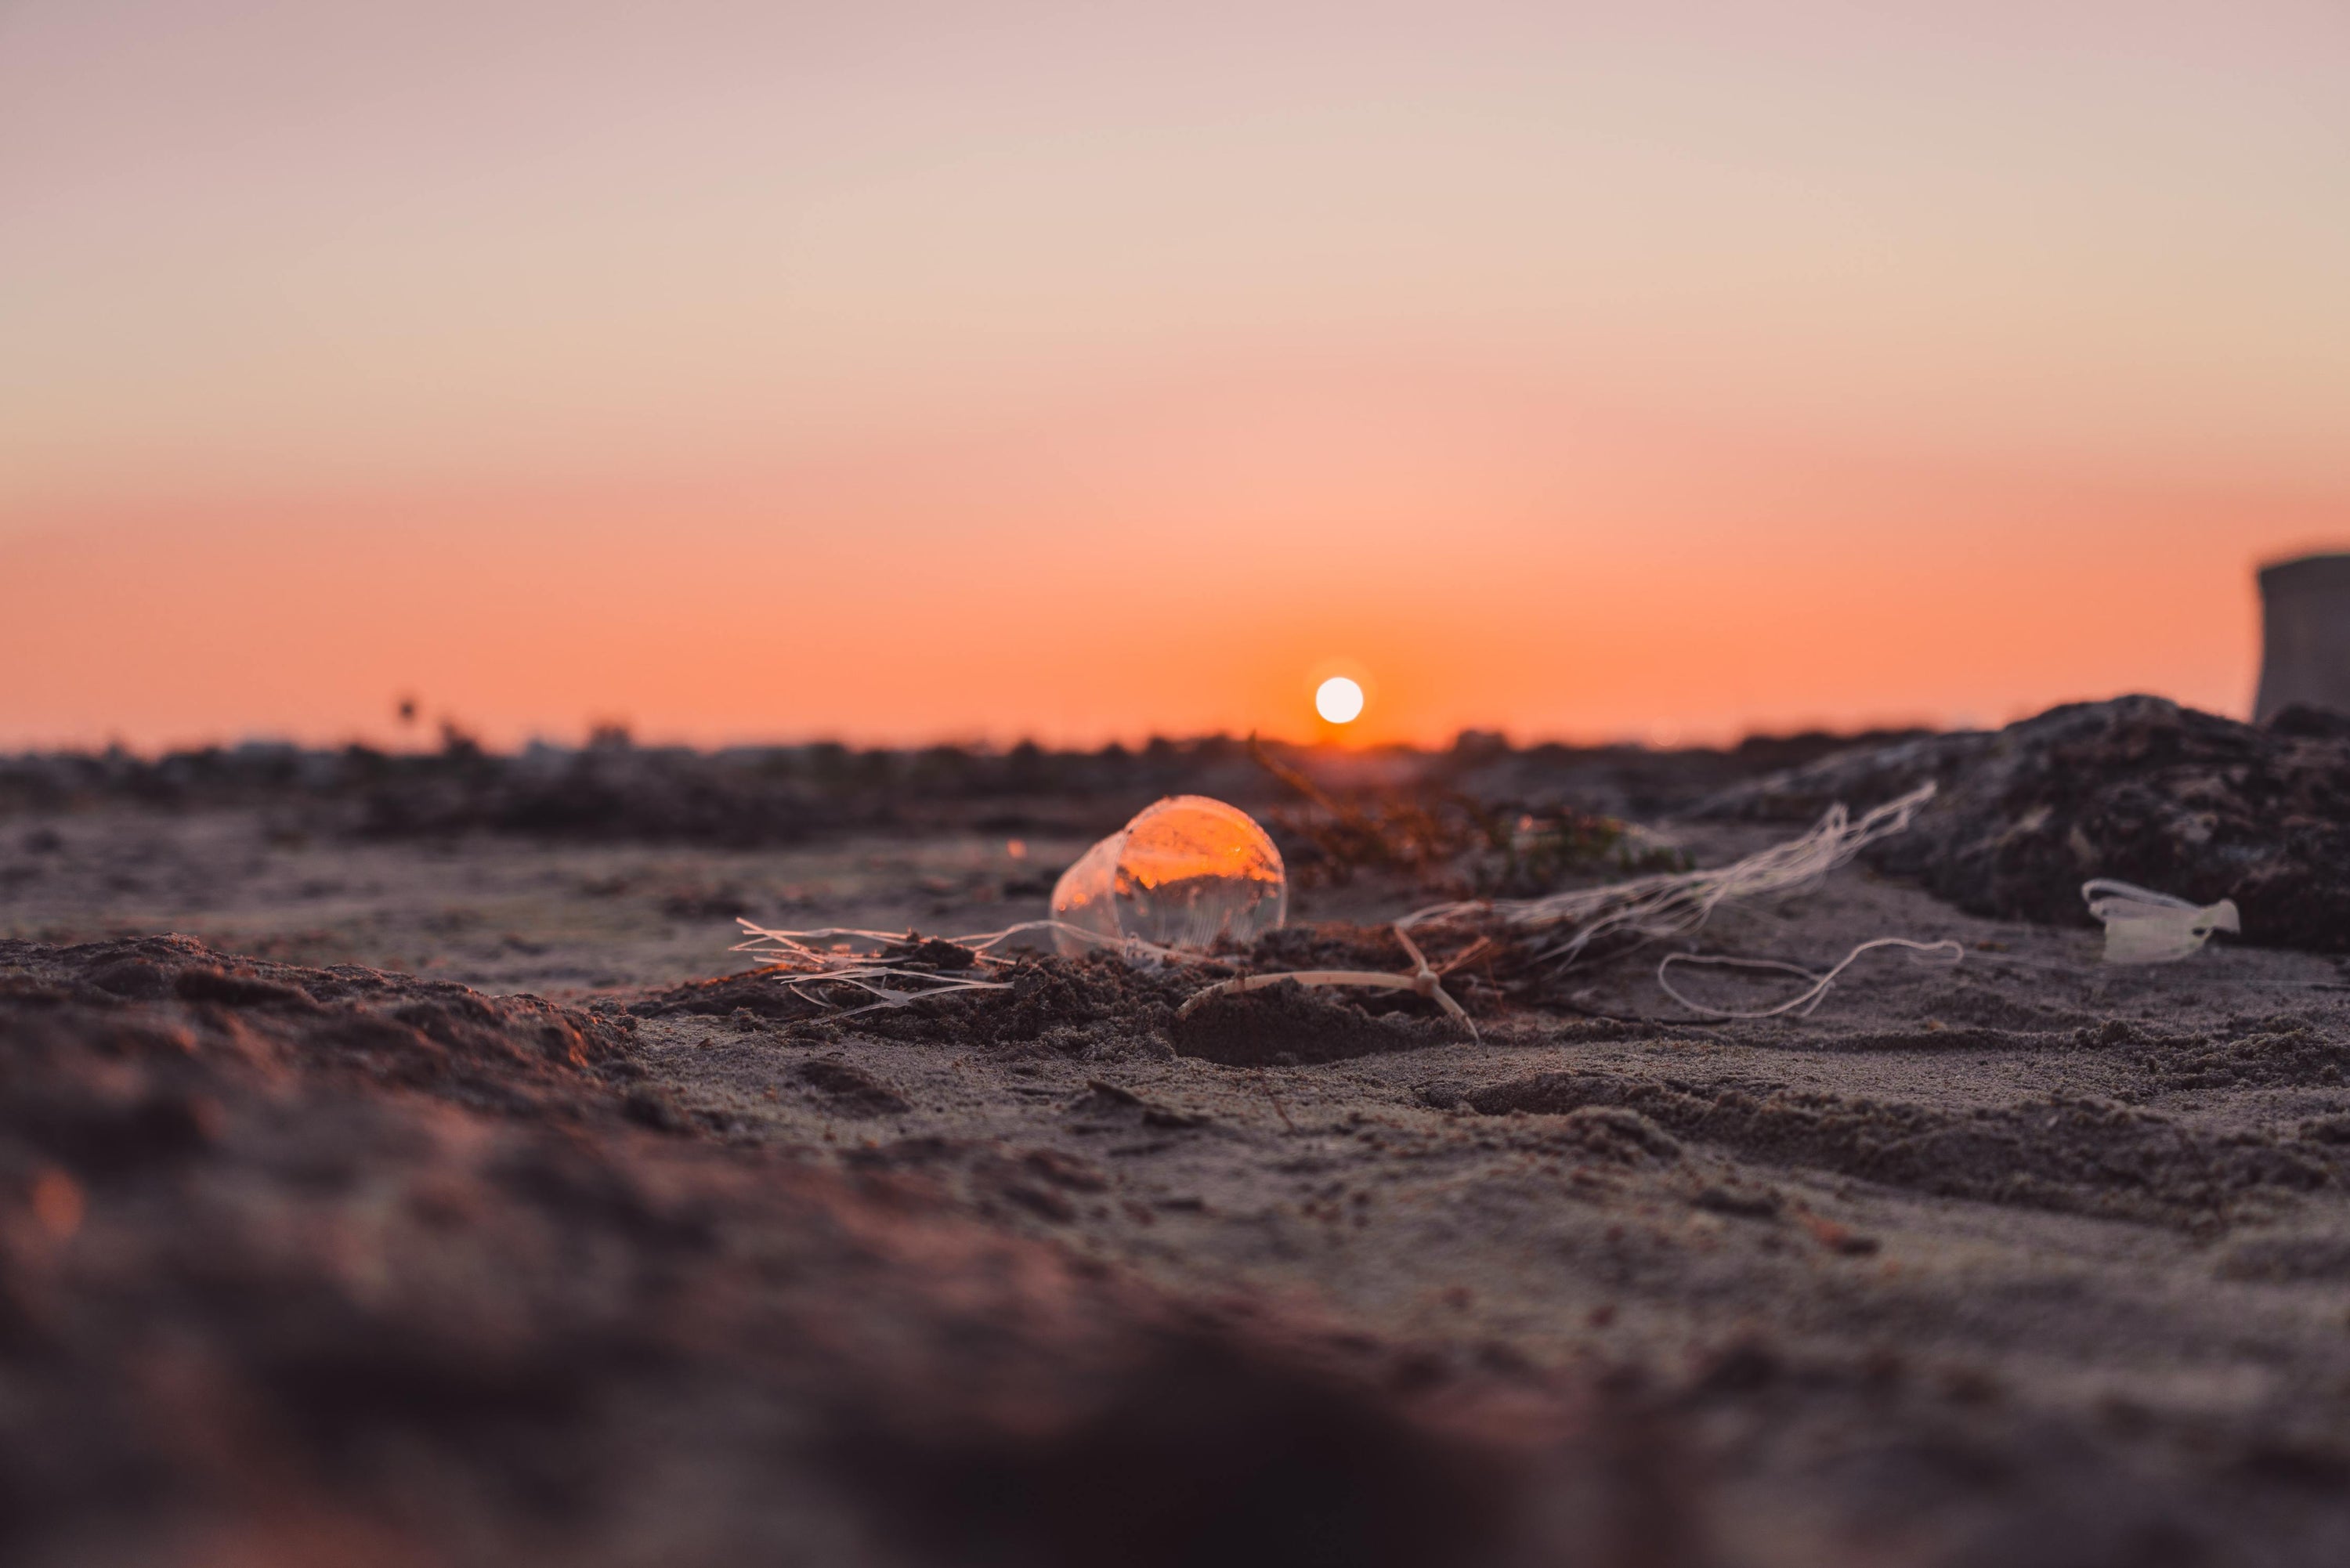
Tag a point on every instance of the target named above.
point(2142, 926)
point(1186, 872)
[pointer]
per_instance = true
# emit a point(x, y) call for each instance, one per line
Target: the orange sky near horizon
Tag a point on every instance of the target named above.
point(768, 372)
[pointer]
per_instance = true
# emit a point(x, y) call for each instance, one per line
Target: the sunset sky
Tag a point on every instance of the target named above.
point(904, 371)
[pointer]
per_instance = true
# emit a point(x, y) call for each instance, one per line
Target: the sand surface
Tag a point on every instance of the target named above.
point(2030, 1261)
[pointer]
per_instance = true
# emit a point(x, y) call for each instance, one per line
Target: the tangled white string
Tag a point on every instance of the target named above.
point(846, 956)
point(1645, 908)
point(1649, 908)
point(1425, 980)
point(1804, 1005)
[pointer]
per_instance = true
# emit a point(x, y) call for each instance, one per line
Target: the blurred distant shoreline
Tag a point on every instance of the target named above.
point(750, 794)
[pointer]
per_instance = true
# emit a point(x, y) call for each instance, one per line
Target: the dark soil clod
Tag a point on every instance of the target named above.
point(1287, 1024)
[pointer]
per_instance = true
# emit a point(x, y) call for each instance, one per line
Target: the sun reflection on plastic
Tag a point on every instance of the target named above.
point(1185, 872)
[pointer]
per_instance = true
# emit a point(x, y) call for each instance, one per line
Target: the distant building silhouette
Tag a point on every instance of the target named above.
point(2305, 616)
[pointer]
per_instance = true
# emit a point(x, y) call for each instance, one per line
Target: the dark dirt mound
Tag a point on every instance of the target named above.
point(2298, 1052)
point(1111, 1107)
point(500, 1054)
point(273, 1291)
point(1329, 945)
point(1063, 1002)
point(1062, 999)
point(849, 1090)
point(2074, 1155)
point(1043, 1183)
point(763, 993)
point(1287, 1024)
point(2138, 788)
point(1074, 1005)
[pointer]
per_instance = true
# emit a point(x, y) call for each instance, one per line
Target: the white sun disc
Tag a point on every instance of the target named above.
point(1339, 699)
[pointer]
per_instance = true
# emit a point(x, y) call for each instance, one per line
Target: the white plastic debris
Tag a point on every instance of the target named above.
point(1160, 890)
point(2142, 926)
point(1185, 872)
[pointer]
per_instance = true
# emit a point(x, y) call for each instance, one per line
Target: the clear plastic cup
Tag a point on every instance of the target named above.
point(1185, 872)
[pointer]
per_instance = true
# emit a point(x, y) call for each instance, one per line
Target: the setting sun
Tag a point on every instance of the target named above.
point(1339, 699)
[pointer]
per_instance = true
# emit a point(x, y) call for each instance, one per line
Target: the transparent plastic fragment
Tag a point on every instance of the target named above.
point(2142, 926)
point(1185, 872)
point(1083, 898)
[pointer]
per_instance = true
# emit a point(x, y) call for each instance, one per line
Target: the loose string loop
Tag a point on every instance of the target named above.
point(1801, 1006)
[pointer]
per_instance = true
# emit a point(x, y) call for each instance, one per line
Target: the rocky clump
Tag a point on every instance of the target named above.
point(331, 1265)
point(2136, 788)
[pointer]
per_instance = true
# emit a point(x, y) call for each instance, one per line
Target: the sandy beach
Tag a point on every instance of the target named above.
point(460, 1165)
